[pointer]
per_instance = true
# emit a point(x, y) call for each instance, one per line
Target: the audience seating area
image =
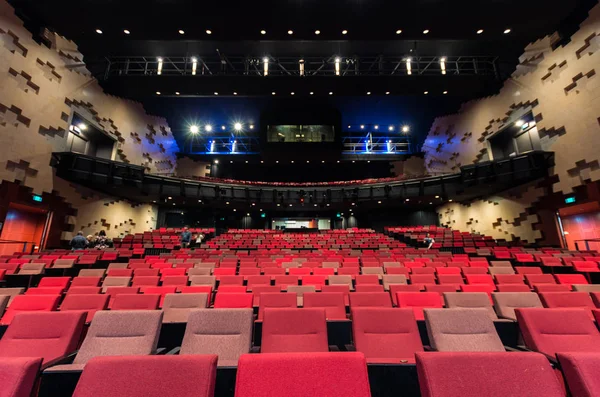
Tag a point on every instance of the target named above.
point(325, 313)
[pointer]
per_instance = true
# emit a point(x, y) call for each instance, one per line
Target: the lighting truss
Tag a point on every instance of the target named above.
point(237, 65)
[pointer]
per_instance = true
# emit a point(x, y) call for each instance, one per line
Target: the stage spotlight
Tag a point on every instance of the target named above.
point(507, 31)
point(408, 66)
point(445, 92)
point(443, 64)
point(194, 65)
point(405, 128)
point(208, 128)
point(301, 66)
point(330, 92)
point(216, 161)
point(387, 93)
point(181, 31)
point(223, 127)
point(273, 93)
point(480, 31)
point(312, 93)
point(160, 65)
point(157, 92)
point(265, 66)
point(344, 31)
point(208, 31)
point(317, 32)
point(426, 31)
point(337, 66)
point(98, 31)
point(362, 127)
point(290, 32)
point(194, 129)
point(263, 32)
point(234, 93)
point(368, 92)
point(426, 92)
point(391, 128)
point(216, 93)
point(292, 93)
point(176, 92)
point(126, 31)
point(251, 126)
point(237, 126)
point(376, 127)
point(399, 31)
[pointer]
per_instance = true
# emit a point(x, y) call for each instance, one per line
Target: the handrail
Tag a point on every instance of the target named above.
point(587, 243)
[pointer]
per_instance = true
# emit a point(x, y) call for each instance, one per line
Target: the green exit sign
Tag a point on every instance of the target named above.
point(37, 198)
point(570, 200)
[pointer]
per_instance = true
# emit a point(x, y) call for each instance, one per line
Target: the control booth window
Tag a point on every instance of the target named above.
point(300, 133)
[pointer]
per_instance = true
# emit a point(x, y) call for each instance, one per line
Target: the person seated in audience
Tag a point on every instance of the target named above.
point(79, 242)
point(102, 242)
point(428, 241)
point(186, 237)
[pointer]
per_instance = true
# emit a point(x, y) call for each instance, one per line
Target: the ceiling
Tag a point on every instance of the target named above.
point(244, 20)
point(387, 28)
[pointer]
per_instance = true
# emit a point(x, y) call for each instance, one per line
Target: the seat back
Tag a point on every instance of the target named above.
point(224, 332)
point(121, 333)
point(19, 376)
point(418, 301)
point(294, 330)
point(203, 280)
point(233, 300)
point(301, 374)
point(580, 371)
point(558, 330)
point(177, 307)
point(136, 302)
point(469, 300)
point(370, 299)
point(489, 374)
point(275, 299)
point(462, 330)
point(385, 334)
point(32, 268)
point(90, 303)
point(30, 303)
point(149, 376)
point(332, 302)
point(506, 302)
point(49, 335)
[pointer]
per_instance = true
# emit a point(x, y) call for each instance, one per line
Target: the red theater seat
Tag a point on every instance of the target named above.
point(275, 300)
point(581, 373)
point(550, 331)
point(490, 374)
point(513, 288)
point(29, 303)
point(528, 270)
point(19, 375)
point(149, 376)
point(418, 301)
point(570, 279)
point(294, 330)
point(85, 282)
point(332, 302)
point(88, 303)
point(386, 335)
point(233, 300)
point(580, 300)
point(62, 282)
point(302, 375)
point(370, 299)
point(49, 335)
point(135, 302)
point(45, 291)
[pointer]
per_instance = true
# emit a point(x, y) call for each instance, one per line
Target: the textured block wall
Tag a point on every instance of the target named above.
point(563, 90)
point(40, 87)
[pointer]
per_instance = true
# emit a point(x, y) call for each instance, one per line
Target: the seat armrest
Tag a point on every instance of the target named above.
point(174, 351)
point(68, 359)
point(255, 349)
point(160, 351)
